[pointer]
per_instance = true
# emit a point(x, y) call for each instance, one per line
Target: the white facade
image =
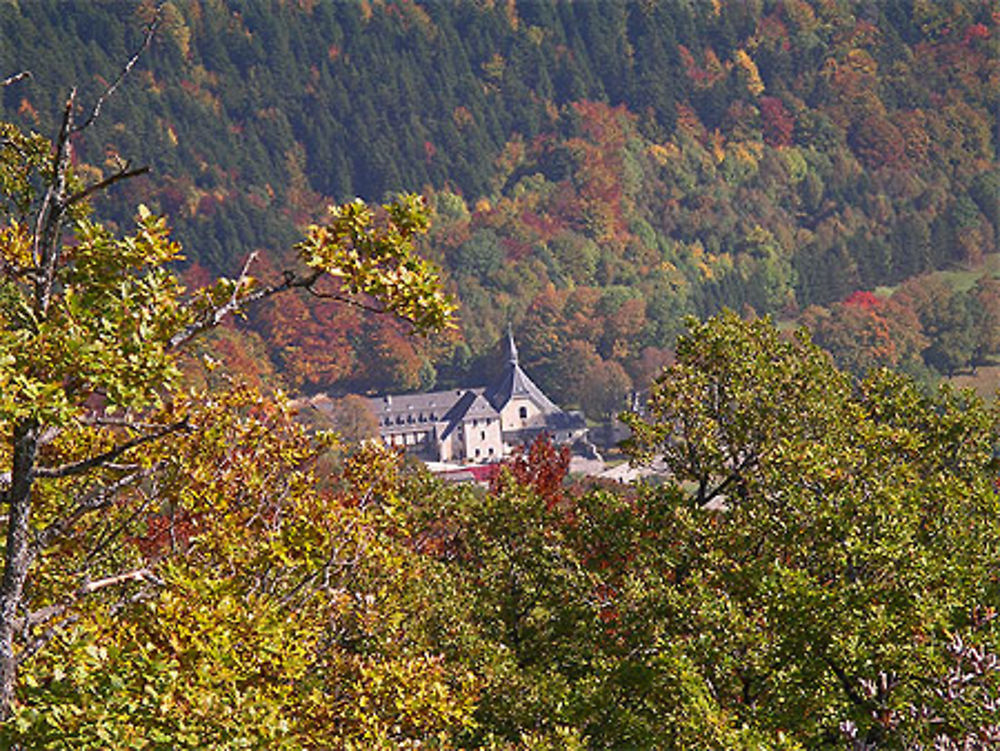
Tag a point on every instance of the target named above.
point(475, 426)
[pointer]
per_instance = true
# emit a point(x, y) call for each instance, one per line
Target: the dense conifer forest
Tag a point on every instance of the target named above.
point(596, 170)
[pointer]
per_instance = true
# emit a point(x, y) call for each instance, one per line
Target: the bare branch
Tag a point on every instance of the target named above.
point(123, 174)
point(142, 574)
point(35, 644)
point(39, 617)
point(76, 468)
point(212, 317)
point(111, 534)
point(147, 38)
point(118, 422)
point(98, 498)
point(245, 271)
point(845, 681)
point(15, 78)
point(122, 467)
point(45, 246)
point(706, 496)
point(43, 615)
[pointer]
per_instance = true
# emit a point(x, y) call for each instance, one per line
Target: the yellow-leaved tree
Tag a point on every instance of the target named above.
point(172, 578)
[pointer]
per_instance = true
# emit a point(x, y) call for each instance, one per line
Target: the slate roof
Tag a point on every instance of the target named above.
point(448, 409)
point(551, 422)
point(402, 409)
point(514, 382)
point(470, 405)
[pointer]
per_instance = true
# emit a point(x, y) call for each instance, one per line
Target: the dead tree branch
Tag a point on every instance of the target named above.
point(15, 78)
point(147, 38)
point(97, 499)
point(213, 316)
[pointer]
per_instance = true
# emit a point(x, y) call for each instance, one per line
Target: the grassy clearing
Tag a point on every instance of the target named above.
point(960, 279)
point(985, 382)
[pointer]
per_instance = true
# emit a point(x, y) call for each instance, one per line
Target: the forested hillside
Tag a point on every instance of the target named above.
point(186, 565)
point(596, 170)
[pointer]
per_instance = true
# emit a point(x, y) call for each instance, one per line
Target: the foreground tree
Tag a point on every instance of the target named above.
point(817, 573)
point(91, 326)
point(279, 617)
point(839, 531)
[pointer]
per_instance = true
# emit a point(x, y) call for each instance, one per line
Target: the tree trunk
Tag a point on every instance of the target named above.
point(16, 555)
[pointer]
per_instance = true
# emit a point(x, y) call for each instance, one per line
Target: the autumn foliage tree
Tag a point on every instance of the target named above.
point(839, 531)
point(865, 332)
point(91, 328)
point(540, 466)
point(269, 613)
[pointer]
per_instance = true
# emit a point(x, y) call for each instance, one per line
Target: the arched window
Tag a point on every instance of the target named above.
point(523, 413)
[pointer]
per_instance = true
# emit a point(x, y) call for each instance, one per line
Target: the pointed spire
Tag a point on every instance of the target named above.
point(511, 347)
point(515, 382)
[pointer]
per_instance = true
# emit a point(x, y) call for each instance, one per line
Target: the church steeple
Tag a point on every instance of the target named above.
point(514, 382)
point(511, 347)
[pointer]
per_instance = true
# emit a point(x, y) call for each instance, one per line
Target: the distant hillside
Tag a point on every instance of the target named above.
point(598, 169)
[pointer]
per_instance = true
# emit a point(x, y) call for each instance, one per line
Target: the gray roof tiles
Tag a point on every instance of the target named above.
point(515, 383)
point(450, 408)
point(471, 405)
point(432, 405)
